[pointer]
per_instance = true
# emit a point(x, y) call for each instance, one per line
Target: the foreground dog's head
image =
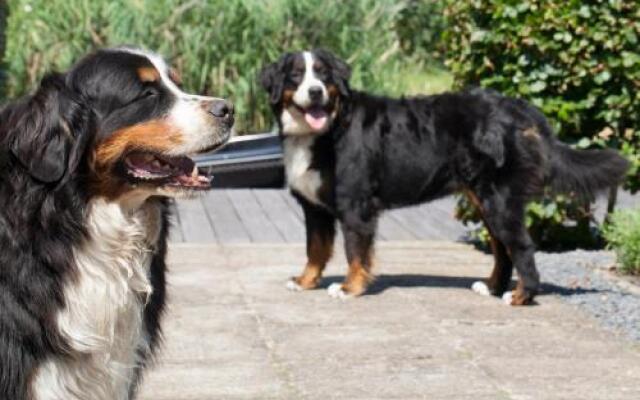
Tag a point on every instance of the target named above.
point(117, 121)
point(305, 89)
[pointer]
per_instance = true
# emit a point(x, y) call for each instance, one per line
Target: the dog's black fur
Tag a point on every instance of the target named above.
point(39, 224)
point(379, 153)
point(48, 144)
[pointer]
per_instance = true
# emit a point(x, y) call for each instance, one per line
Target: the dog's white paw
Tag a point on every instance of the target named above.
point(481, 288)
point(293, 286)
point(335, 290)
point(507, 297)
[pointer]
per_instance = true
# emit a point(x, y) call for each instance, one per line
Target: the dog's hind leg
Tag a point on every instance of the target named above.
point(504, 216)
point(502, 269)
point(320, 227)
point(498, 282)
point(500, 277)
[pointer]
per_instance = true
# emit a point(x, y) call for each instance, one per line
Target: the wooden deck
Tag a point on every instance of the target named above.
point(273, 216)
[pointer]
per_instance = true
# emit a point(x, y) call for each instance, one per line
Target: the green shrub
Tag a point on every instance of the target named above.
point(578, 61)
point(419, 27)
point(623, 235)
point(218, 46)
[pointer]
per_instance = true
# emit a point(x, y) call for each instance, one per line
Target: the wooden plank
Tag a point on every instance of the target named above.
point(439, 215)
point(411, 218)
point(226, 223)
point(297, 210)
point(253, 218)
point(281, 215)
point(293, 204)
point(391, 229)
point(194, 222)
point(175, 228)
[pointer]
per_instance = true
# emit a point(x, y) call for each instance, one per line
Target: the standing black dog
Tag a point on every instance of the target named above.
point(349, 155)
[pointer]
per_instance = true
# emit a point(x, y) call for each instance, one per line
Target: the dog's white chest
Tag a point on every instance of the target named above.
point(103, 317)
point(300, 176)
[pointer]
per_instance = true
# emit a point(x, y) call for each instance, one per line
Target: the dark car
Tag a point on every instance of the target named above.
point(251, 161)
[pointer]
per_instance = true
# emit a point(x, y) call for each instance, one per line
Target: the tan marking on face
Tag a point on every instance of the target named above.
point(148, 74)
point(531, 133)
point(332, 91)
point(287, 97)
point(153, 136)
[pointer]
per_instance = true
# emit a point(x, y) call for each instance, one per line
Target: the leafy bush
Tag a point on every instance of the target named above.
point(419, 27)
point(578, 61)
point(218, 46)
point(623, 235)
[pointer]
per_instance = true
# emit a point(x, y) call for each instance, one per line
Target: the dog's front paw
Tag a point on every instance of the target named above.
point(481, 288)
point(294, 286)
point(336, 291)
point(507, 297)
point(519, 297)
point(303, 282)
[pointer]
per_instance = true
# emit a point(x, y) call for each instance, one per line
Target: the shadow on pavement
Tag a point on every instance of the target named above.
point(384, 282)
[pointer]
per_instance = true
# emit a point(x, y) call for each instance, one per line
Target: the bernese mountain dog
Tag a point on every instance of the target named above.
point(350, 155)
point(88, 163)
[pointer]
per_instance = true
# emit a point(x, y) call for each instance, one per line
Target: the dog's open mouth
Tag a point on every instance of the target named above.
point(162, 170)
point(316, 117)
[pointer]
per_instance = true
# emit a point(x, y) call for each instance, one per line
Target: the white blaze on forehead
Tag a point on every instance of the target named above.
point(187, 114)
point(301, 95)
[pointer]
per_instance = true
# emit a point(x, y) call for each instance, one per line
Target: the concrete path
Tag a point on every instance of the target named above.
point(234, 332)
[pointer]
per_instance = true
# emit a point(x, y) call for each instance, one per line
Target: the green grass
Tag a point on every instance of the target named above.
point(623, 235)
point(218, 46)
point(419, 79)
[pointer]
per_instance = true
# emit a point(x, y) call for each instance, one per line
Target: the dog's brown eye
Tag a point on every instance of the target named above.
point(149, 92)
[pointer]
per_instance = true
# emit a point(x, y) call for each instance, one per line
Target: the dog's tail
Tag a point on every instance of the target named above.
point(585, 172)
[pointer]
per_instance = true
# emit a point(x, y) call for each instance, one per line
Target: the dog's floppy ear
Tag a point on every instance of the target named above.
point(340, 70)
point(490, 141)
point(272, 77)
point(50, 131)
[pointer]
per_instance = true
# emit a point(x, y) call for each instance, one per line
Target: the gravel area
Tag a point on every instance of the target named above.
point(579, 277)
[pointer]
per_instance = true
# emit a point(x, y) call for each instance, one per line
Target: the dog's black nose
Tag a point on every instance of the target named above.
point(221, 109)
point(315, 92)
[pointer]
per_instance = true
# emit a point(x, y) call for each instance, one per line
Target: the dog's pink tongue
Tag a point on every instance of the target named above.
point(316, 118)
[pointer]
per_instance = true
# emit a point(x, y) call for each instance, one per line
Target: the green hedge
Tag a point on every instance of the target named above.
point(579, 61)
point(218, 46)
point(623, 235)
